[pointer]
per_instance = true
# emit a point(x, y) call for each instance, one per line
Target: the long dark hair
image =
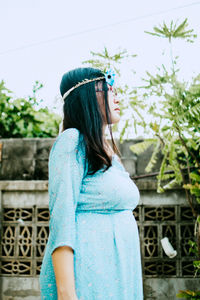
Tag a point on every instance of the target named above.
point(82, 111)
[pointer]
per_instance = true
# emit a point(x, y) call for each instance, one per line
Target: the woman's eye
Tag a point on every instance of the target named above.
point(113, 90)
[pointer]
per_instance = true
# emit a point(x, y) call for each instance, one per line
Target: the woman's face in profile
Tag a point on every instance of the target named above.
point(113, 103)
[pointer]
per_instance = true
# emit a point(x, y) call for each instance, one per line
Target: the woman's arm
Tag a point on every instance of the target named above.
point(63, 262)
point(66, 170)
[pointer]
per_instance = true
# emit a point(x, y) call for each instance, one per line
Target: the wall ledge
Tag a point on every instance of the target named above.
point(42, 185)
point(24, 185)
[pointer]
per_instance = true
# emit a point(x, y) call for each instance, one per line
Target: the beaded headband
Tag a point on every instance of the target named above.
point(109, 77)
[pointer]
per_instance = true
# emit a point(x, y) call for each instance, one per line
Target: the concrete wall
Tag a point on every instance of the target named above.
point(27, 159)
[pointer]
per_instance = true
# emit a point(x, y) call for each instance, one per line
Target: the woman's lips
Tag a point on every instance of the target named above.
point(117, 109)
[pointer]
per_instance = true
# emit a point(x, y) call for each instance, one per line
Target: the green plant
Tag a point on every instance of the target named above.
point(187, 294)
point(22, 118)
point(174, 107)
point(174, 31)
point(175, 111)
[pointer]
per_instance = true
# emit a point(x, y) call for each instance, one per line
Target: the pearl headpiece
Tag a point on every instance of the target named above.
point(109, 77)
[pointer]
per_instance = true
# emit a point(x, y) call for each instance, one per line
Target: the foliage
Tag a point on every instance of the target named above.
point(175, 111)
point(174, 31)
point(187, 294)
point(174, 108)
point(105, 60)
point(21, 117)
point(175, 124)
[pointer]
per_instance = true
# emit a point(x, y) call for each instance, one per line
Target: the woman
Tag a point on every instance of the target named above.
point(93, 250)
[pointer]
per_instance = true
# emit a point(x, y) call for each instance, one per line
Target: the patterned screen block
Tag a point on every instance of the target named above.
point(25, 231)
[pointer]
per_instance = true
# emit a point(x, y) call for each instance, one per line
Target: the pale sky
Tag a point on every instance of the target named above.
point(26, 22)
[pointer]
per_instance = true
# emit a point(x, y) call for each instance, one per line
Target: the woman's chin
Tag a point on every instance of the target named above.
point(116, 119)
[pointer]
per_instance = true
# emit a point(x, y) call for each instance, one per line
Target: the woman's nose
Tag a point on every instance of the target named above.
point(116, 100)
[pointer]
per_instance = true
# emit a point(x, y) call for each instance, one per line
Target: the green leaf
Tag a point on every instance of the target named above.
point(154, 157)
point(140, 147)
point(195, 176)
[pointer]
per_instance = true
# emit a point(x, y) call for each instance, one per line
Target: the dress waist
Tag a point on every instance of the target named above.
point(103, 211)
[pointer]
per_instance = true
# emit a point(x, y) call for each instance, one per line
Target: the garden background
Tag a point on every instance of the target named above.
point(153, 49)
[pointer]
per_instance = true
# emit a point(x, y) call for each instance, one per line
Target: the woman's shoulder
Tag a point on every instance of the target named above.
point(68, 139)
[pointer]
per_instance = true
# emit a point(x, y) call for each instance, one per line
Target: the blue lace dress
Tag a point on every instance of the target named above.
point(93, 215)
